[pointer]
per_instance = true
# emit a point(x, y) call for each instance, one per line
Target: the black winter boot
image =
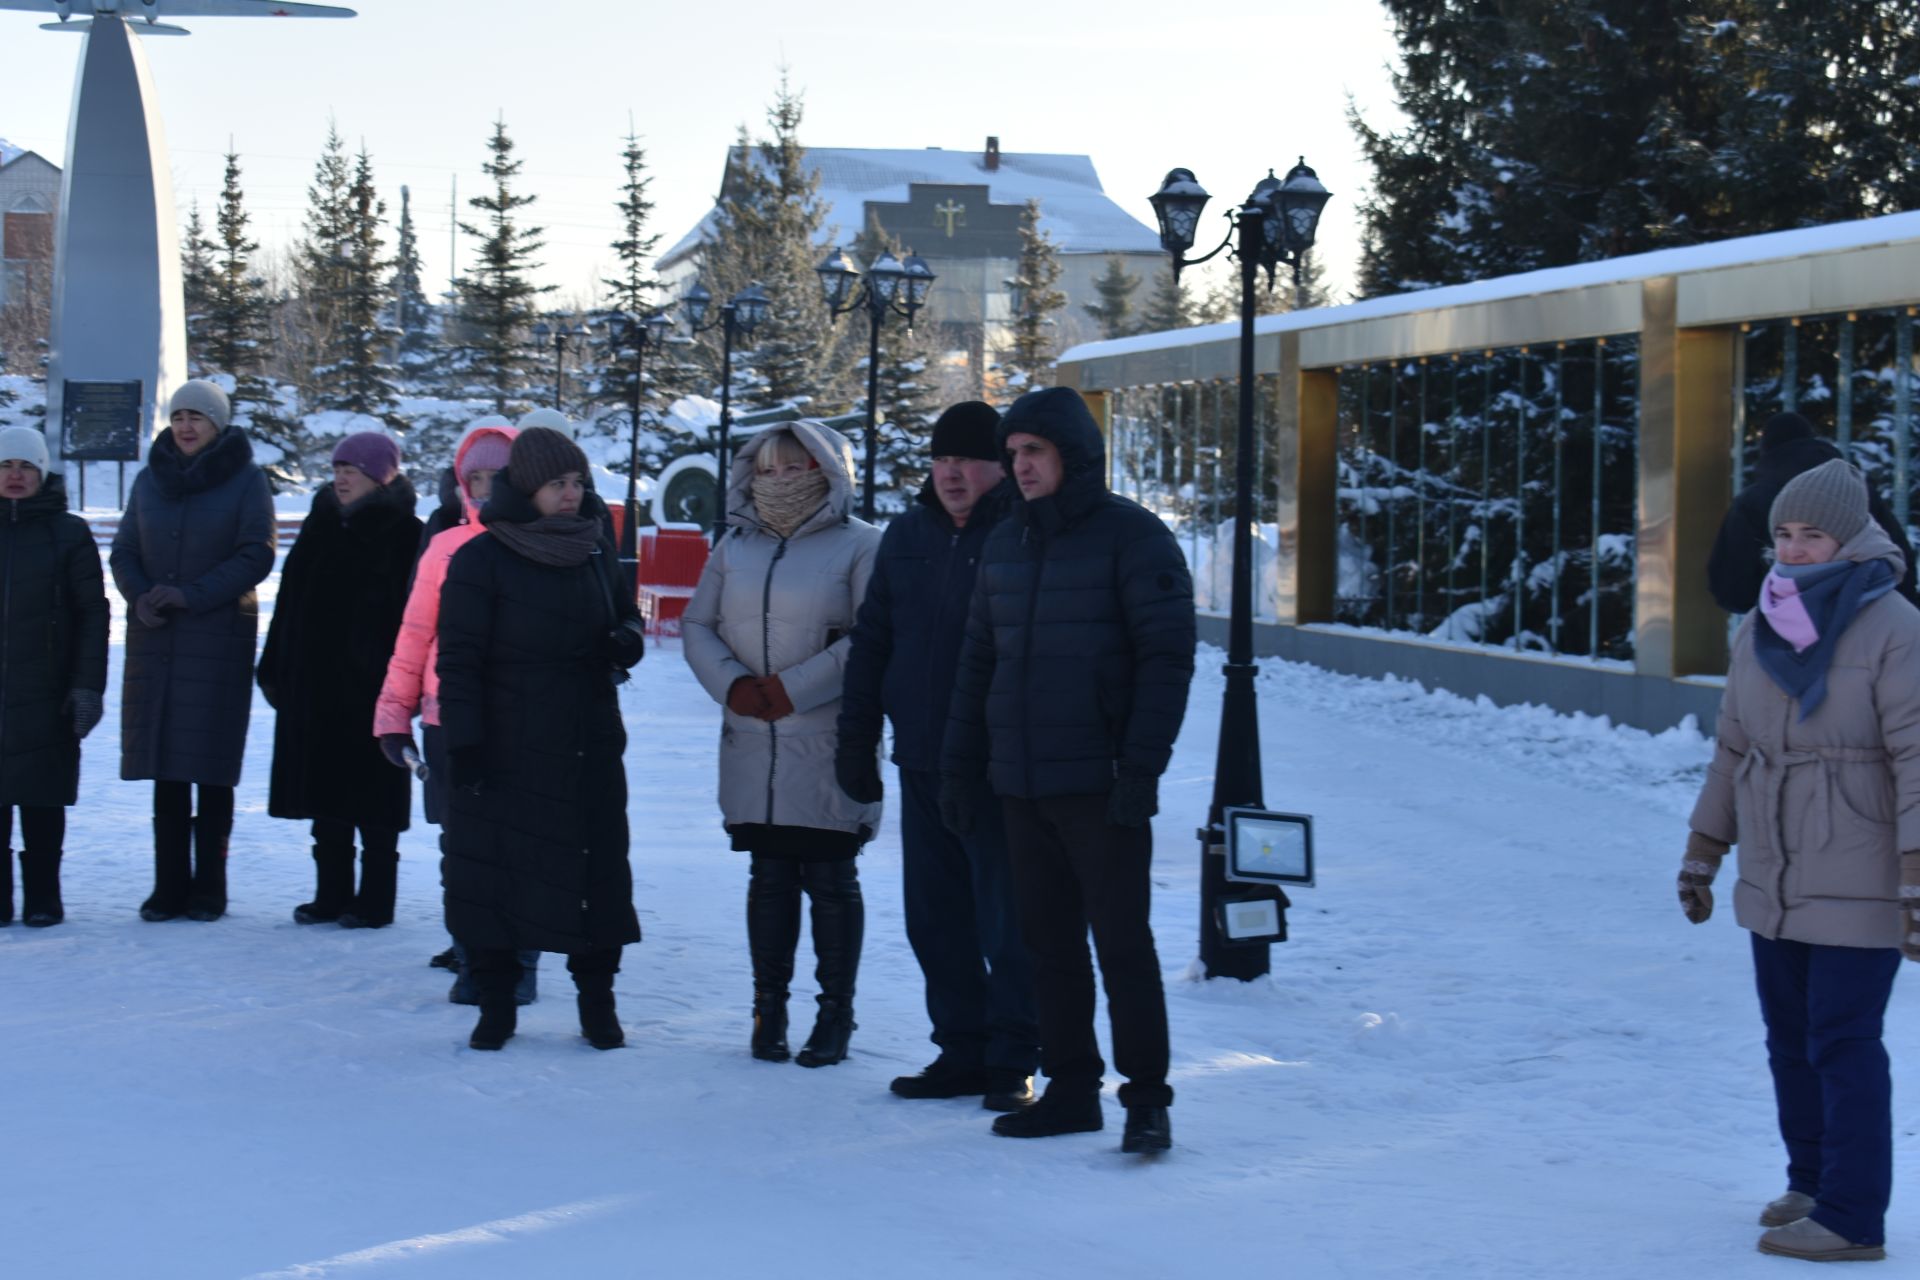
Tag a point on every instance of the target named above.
point(1058, 1111)
point(172, 867)
point(494, 975)
point(773, 931)
point(839, 923)
point(207, 900)
point(332, 885)
point(1148, 1131)
point(944, 1078)
point(6, 889)
point(40, 903)
point(599, 1020)
point(372, 907)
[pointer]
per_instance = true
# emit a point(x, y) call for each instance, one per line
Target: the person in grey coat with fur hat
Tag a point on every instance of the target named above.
point(197, 536)
point(1816, 777)
point(767, 633)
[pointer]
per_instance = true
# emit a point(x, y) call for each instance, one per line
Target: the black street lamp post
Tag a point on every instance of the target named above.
point(1276, 224)
point(561, 336)
point(890, 286)
point(741, 313)
point(640, 335)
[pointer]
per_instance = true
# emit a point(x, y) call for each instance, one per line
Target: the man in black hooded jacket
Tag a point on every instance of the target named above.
point(1739, 561)
point(1071, 690)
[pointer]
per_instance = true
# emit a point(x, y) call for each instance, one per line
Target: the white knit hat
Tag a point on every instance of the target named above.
point(26, 445)
point(552, 419)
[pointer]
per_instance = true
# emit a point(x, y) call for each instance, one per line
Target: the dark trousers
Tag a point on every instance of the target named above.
point(1823, 1008)
point(1073, 869)
point(43, 828)
point(965, 932)
point(373, 840)
point(498, 969)
point(174, 801)
point(433, 791)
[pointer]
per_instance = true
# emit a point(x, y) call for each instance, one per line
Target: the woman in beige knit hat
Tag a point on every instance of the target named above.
point(1816, 777)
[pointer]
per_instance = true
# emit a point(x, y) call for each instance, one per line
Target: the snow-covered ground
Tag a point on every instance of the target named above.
point(1493, 1048)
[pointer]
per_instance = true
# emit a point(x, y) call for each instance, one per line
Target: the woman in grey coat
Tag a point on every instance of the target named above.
point(1816, 777)
point(197, 536)
point(767, 634)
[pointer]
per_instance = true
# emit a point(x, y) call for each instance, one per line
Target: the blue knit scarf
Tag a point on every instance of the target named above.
point(1833, 594)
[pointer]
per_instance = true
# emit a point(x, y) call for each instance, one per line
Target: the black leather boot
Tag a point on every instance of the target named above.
point(599, 1020)
point(172, 867)
point(1059, 1110)
point(372, 907)
point(207, 899)
point(1148, 1131)
point(40, 904)
point(773, 931)
point(494, 976)
point(839, 924)
point(332, 885)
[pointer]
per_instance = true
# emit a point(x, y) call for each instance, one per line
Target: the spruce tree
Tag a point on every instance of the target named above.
point(320, 271)
point(238, 339)
point(1170, 306)
point(356, 376)
point(1027, 360)
point(1114, 311)
point(412, 314)
point(634, 292)
point(497, 298)
point(196, 285)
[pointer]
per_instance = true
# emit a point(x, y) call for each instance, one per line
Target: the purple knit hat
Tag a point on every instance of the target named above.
point(375, 453)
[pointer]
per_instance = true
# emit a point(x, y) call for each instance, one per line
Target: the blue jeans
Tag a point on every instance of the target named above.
point(1823, 1008)
point(525, 993)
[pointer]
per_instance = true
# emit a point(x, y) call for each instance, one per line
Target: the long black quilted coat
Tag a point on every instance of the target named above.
point(53, 639)
point(1081, 635)
point(342, 591)
point(205, 525)
point(538, 858)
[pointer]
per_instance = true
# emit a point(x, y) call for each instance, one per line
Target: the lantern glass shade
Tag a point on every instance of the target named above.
point(542, 331)
point(750, 307)
point(696, 300)
point(1297, 206)
point(884, 278)
point(920, 280)
point(837, 279)
point(1177, 205)
point(657, 326)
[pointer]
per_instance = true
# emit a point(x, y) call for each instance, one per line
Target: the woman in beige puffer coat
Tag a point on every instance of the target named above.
point(1816, 777)
point(767, 634)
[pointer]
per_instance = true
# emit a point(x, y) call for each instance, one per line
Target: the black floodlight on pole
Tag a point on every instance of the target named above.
point(741, 313)
point(1275, 224)
point(890, 286)
point(640, 335)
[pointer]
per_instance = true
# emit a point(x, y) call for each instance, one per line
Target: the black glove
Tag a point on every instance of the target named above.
point(83, 705)
point(466, 769)
point(394, 746)
point(964, 802)
point(1133, 800)
point(626, 645)
point(858, 773)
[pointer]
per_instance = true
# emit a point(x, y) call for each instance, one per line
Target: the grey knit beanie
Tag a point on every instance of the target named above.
point(1831, 497)
point(204, 398)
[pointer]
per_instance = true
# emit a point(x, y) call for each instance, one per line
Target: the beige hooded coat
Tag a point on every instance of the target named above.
point(768, 605)
point(1822, 808)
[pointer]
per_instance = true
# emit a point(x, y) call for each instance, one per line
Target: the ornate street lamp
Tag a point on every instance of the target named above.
point(742, 313)
point(561, 335)
point(640, 335)
point(891, 286)
point(1275, 224)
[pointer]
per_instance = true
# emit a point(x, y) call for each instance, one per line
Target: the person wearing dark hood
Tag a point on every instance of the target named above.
point(197, 536)
point(958, 892)
point(1071, 689)
point(535, 635)
point(1738, 563)
point(53, 669)
point(334, 621)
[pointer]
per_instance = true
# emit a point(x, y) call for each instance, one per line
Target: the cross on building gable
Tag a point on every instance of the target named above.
point(941, 220)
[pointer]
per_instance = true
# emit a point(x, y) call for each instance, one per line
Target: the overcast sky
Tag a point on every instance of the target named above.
point(1226, 89)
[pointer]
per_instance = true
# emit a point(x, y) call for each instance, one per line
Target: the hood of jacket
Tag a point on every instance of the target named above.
point(1059, 416)
point(226, 456)
point(1872, 543)
point(467, 504)
point(827, 447)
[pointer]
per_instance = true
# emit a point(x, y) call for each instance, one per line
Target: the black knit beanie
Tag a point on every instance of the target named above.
point(1783, 428)
point(541, 454)
point(967, 430)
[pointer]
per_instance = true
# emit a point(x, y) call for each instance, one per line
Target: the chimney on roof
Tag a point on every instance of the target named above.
point(993, 155)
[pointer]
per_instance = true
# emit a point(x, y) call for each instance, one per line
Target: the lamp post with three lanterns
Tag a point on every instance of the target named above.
point(741, 313)
point(891, 287)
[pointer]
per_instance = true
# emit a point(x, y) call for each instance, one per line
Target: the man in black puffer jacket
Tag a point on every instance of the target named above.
point(1739, 561)
point(1072, 686)
point(958, 892)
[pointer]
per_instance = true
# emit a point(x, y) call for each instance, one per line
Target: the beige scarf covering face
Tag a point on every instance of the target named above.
point(785, 502)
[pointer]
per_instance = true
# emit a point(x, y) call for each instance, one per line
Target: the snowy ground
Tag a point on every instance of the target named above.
point(1494, 1048)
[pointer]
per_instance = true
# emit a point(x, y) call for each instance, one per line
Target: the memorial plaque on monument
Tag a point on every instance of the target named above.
point(101, 421)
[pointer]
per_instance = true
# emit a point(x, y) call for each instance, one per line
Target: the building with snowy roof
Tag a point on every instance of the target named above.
point(29, 201)
point(960, 211)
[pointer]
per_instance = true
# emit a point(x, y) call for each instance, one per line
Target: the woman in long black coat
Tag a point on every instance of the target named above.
point(341, 596)
point(197, 536)
point(535, 632)
point(53, 668)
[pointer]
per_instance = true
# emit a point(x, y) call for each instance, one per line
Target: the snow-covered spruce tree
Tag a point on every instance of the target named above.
point(237, 338)
point(356, 376)
point(634, 291)
point(497, 297)
point(411, 315)
point(320, 272)
point(1114, 311)
point(1027, 358)
point(196, 285)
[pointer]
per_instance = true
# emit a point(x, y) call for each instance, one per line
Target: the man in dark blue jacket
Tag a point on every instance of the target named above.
point(959, 898)
point(1072, 686)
